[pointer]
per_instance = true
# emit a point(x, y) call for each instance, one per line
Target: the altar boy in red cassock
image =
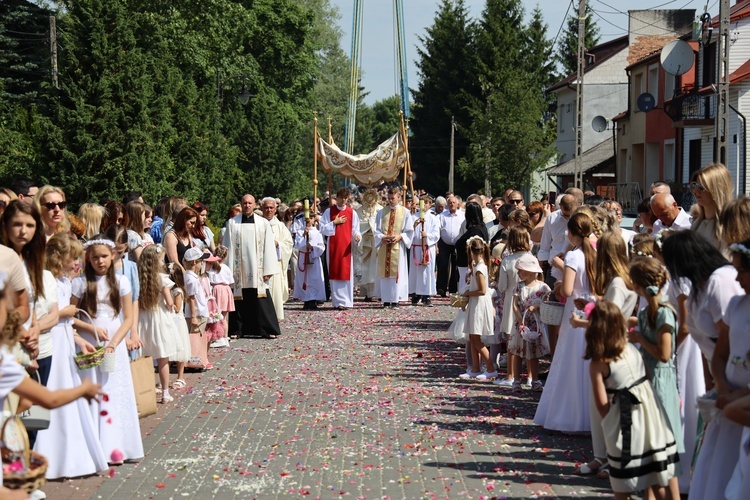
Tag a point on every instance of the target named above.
point(341, 224)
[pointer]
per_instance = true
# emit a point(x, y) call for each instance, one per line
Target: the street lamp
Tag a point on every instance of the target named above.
point(243, 95)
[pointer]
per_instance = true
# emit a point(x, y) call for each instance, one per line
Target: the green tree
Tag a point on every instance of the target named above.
point(445, 89)
point(567, 47)
point(540, 61)
point(507, 133)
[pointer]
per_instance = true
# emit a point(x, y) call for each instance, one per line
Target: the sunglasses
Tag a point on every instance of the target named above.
point(516, 202)
point(697, 186)
point(51, 205)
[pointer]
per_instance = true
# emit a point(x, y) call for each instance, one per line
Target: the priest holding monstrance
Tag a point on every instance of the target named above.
point(393, 232)
point(341, 224)
point(252, 258)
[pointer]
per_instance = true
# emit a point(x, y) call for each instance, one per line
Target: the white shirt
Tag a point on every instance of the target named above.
point(193, 288)
point(554, 239)
point(450, 226)
point(223, 277)
point(681, 222)
point(42, 308)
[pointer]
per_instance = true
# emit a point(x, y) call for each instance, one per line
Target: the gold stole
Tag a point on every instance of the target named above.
point(392, 222)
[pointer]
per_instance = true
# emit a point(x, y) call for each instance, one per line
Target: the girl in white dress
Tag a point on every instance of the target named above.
point(182, 355)
point(71, 443)
point(516, 247)
point(564, 405)
point(640, 445)
point(480, 314)
point(721, 450)
point(527, 298)
point(106, 297)
point(155, 323)
point(13, 378)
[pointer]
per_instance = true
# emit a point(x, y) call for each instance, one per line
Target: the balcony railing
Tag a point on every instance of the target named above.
point(688, 105)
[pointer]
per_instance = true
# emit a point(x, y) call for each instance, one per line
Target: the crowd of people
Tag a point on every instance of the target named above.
point(651, 330)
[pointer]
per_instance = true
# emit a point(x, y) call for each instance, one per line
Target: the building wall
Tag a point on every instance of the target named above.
point(605, 93)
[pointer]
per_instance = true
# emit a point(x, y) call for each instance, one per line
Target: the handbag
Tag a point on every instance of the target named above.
point(36, 418)
point(144, 385)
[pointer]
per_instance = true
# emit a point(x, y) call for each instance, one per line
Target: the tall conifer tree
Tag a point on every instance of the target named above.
point(444, 90)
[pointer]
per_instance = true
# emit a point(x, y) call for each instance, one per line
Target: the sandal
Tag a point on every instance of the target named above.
point(585, 470)
point(178, 384)
point(603, 472)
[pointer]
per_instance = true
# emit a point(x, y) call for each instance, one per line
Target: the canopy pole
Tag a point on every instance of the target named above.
point(315, 161)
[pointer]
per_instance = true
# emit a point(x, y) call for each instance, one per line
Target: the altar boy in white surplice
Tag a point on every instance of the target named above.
point(423, 254)
point(309, 285)
point(394, 228)
point(252, 258)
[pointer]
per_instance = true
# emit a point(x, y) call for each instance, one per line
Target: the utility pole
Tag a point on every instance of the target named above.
point(722, 108)
point(488, 158)
point(53, 50)
point(452, 164)
point(578, 178)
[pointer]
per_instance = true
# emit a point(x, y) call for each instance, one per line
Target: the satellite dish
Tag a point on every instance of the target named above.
point(677, 57)
point(646, 102)
point(599, 123)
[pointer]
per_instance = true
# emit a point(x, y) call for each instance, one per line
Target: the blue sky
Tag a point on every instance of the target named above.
point(378, 30)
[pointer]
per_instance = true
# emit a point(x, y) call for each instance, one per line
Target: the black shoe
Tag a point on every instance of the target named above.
point(368, 299)
point(426, 301)
point(394, 305)
point(441, 293)
point(386, 305)
point(415, 300)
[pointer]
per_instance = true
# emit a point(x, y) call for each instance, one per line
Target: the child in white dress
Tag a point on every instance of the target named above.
point(71, 443)
point(106, 297)
point(480, 314)
point(528, 340)
point(155, 324)
point(222, 280)
point(640, 445)
point(564, 405)
point(182, 355)
point(507, 280)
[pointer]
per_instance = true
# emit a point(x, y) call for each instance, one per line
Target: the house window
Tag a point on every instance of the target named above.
point(709, 65)
point(637, 86)
point(653, 81)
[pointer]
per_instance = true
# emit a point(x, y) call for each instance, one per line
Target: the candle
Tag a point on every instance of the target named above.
point(421, 209)
point(307, 209)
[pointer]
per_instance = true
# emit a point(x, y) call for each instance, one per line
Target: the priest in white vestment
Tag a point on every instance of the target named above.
point(394, 228)
point(366, 267)
point(309, 284)
point(284, 245)
point(341, 224)
point(423, 254)
point(251, 255)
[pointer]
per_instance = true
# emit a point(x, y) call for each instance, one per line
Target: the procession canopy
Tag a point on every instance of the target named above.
point(383, 164)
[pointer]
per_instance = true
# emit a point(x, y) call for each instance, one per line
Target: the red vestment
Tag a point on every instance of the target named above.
point(340, 246)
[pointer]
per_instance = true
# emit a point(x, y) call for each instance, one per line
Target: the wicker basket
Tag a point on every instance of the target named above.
point(24, 469)
point(458, 300)
point(86, 361)
point(550, 312)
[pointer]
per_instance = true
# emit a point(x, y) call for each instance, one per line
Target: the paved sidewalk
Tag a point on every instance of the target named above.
point(363, 403)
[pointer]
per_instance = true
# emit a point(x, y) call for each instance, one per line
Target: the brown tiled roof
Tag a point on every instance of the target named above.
point(645, 46)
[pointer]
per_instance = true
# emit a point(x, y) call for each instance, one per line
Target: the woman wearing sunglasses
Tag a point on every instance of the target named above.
point(50, 202)
point(713, 190)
